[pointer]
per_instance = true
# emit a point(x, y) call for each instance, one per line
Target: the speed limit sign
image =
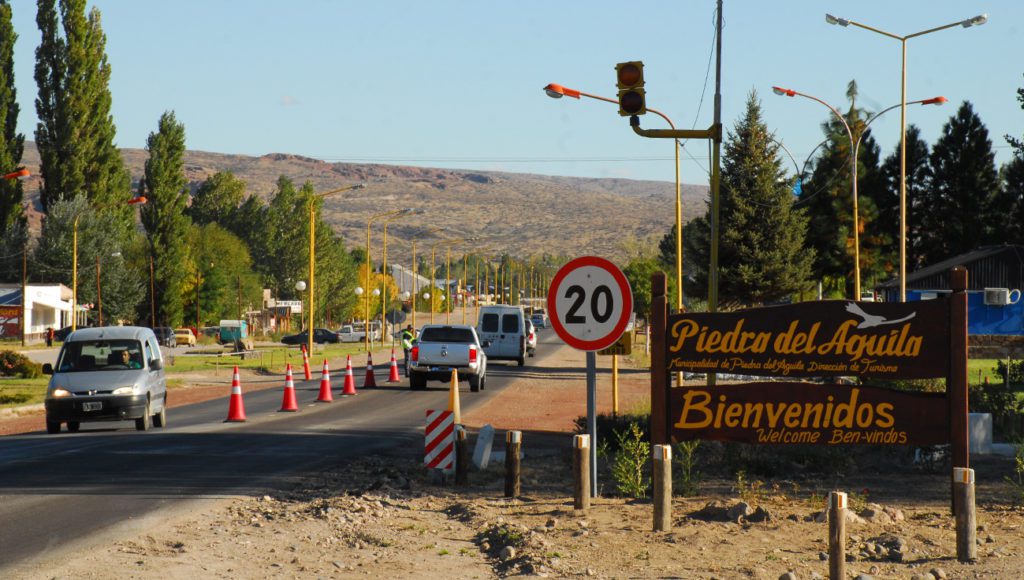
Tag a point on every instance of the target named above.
point(590, 302)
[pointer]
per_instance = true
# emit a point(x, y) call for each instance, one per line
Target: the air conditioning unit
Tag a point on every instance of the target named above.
point(997, 296)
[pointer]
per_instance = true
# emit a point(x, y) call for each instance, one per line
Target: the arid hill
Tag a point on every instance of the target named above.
point(524, 214)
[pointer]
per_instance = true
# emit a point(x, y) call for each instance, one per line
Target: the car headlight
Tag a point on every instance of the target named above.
point(122, 391)
point(58, 393)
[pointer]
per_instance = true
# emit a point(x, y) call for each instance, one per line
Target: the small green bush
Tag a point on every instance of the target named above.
point(630, 464)
point(15, 364)
point(608, 425)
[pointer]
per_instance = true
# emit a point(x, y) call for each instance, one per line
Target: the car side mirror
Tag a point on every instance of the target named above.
point(47, 369)
point(486, 344)
point(156, 364)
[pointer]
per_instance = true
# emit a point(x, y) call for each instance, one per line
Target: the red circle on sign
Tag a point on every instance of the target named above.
point(625, 293)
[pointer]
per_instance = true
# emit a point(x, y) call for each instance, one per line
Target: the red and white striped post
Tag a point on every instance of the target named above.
point(439, 445)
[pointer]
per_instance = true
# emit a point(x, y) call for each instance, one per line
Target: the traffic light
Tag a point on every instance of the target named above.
point(630, 76)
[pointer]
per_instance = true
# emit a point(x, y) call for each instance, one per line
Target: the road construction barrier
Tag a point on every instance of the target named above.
point(236, 407)
point(439, 443)
point(325, 385)
point(288, 403)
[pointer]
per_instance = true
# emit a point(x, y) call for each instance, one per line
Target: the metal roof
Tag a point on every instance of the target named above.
point(965, 259)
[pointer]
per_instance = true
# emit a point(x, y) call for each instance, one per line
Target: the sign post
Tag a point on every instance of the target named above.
point(590, 302)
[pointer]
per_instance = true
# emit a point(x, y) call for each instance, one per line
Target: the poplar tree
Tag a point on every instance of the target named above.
point(761, 246)
point(163, 216)
point(958, 213)
point(75, 134)
point(12, 218)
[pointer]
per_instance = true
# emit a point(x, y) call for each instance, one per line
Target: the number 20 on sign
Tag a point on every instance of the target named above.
point(590, 302)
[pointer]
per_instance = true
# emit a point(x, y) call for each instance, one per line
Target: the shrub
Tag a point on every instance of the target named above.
point(630, 462)
point(15, 364)
point(608, 425)
point(1016, 371)
point(687, 481)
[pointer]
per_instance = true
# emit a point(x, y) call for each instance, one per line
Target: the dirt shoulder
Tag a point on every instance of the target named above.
point(382, 517)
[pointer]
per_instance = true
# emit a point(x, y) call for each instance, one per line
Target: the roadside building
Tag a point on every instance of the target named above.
point(46, 306)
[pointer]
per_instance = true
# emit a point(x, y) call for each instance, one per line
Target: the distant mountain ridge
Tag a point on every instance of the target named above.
point(520, 213)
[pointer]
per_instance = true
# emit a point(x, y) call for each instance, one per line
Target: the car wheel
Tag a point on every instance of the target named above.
point(52, 427)
point(521, 361)
point(474, 383)
point(417, 381)
point(160, 419)
point(73, 426)
point(142, 423)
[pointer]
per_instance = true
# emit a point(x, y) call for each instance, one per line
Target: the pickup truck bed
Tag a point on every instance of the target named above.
point(441, 349)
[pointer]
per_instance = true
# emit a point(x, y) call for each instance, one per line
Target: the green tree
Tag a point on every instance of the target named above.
point(919, 175)
point(163, 216)
point(75, 134)
point(217, 200)
point(958, 213)
point(1012, 197)
point(12, 144)
point(121, 284)
point(220, 269)
point(761, 255)
point(279, 240)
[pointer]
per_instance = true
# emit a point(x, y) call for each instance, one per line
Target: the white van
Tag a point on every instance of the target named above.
point(110, 373)
point(504, 327)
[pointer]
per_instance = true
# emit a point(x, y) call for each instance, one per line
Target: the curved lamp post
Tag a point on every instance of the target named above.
point(974, 21)
point(556, 91)
point(312, 251)
point(854, 150)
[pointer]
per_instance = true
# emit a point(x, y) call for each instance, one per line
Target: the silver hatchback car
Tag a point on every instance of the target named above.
point(111, 373)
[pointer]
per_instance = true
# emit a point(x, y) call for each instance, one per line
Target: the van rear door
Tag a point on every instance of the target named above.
point(504, 330)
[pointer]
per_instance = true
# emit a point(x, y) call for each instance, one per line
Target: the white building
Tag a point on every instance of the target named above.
point(46, 306)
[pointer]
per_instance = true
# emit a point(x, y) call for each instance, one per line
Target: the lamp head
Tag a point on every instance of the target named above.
point(976, 21)
point(784, 92)
point(359, 290)
point(836, 20)
point(556, 91)
point(300, 286)
point(935, 101)
point(426, 295)
point(21, 174)
point(138, 200)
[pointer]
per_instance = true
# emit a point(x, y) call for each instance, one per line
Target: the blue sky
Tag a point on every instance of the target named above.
point(457, 83)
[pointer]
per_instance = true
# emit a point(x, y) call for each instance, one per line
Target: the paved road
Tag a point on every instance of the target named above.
point(59, 492)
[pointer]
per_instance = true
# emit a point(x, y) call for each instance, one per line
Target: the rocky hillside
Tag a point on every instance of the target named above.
point(524, 214)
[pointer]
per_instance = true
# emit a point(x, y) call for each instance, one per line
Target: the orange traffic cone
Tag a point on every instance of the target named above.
point(236, 408)
point(325, 386)
point(289, 403)
point(393, 377)
point(350, 381)
point(370, 380)
point(453, 398)
point(305, 364)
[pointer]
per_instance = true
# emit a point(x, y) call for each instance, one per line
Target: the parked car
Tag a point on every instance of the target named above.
point(184, 336)
point(440, 349)
point(164, 335)
point(356, 332)
point(539, 320)
point(320, 336)
point(503, 328)
point(531, 338)
point(109, 373)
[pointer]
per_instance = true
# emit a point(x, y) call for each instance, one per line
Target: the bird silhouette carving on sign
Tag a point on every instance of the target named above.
point(872, 320)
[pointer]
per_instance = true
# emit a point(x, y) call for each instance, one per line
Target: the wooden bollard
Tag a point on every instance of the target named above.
point(461, 457)
point(581, 472)
point(513, 441)
point(662, 488)
point(837, 535)
point(966, 518)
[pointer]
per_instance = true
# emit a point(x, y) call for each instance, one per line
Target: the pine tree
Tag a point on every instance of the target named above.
point(167, 226)
point(75, 134)
point(919, 175)
point(957, 213)
point(1012, 197)
point(761, 254)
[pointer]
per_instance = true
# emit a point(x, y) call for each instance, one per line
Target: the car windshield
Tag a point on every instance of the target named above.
point(100, 355)
point(446, 334)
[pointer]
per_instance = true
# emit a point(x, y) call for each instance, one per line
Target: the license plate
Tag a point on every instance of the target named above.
point(441, 369)
point(96, 406)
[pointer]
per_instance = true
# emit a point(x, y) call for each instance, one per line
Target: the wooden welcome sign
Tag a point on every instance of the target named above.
point(822, 339)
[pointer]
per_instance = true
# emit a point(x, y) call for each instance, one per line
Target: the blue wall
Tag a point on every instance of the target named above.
point(982, 319)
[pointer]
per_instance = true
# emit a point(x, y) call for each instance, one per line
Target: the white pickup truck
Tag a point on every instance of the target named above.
point(440, 349)
point(357, 332)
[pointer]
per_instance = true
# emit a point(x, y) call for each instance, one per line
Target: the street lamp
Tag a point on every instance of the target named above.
point(20, 174)
point(448, 278)
point(312, 251)
point(300, 286)
point(415, 273)
point(557, 91)
point(384, 270)
point(974, 21)
point(74, 256)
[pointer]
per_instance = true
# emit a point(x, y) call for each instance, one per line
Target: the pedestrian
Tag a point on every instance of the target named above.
point(407, 338)
point(49, 336)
